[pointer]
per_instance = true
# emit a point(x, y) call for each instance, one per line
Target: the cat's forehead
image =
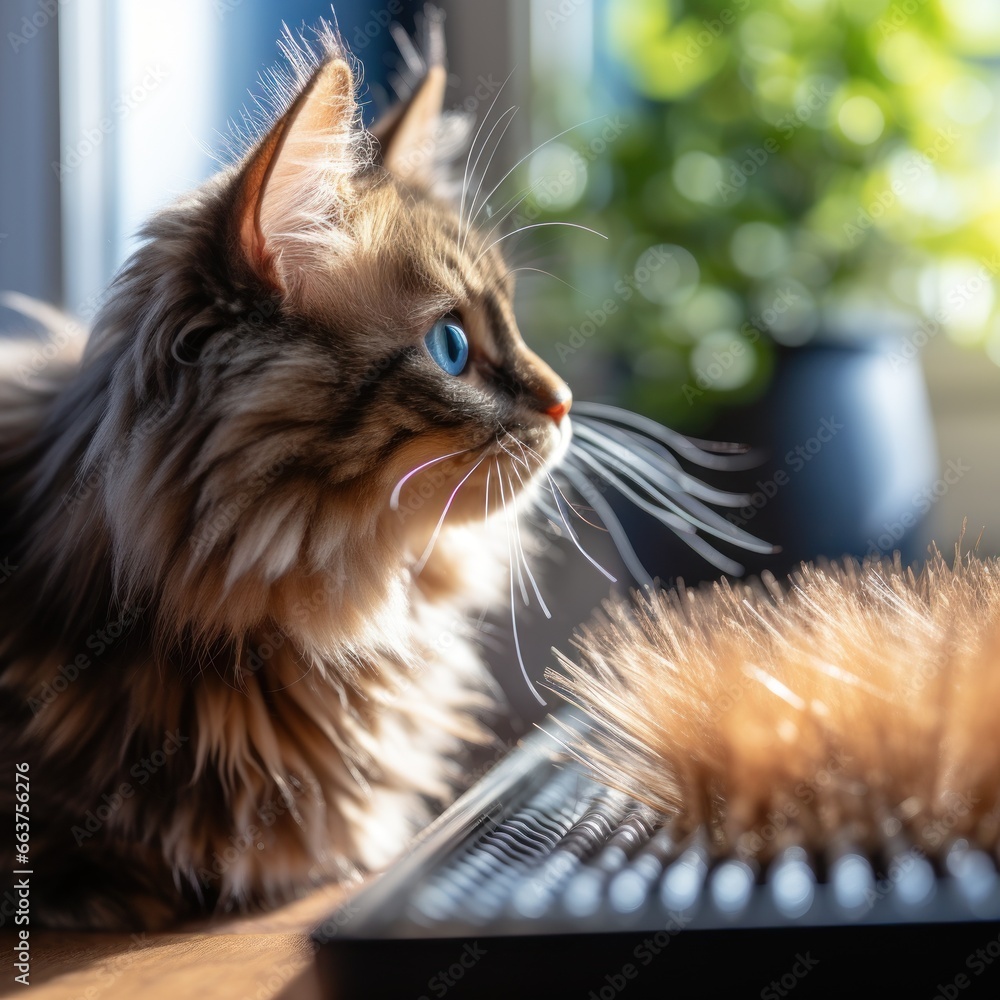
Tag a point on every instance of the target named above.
point(428, 234)
point(415, 260)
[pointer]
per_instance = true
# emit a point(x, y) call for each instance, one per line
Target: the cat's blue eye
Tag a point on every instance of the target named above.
point(448, 346)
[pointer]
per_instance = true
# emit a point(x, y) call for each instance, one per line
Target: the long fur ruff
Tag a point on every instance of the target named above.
point(856, 706)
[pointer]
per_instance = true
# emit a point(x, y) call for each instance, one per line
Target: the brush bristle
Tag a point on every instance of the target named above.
point(856, 706)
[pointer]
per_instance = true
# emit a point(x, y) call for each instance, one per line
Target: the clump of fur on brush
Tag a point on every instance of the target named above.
point(854, 706)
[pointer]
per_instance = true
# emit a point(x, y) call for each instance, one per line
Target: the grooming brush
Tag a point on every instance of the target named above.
point(755, 788)
point(850, 715)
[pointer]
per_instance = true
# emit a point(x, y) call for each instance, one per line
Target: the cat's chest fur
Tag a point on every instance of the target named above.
point(316, 745)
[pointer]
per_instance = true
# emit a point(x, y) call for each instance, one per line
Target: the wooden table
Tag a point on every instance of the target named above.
point(249, 958)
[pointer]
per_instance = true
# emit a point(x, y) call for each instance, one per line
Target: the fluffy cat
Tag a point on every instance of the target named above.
point(233, 647)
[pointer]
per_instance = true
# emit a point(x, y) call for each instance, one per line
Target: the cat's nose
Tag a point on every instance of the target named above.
point(561, 406)
point(551, 394)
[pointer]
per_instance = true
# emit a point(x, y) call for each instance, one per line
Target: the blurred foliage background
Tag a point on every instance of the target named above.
point(768, 173)
point(800, 200)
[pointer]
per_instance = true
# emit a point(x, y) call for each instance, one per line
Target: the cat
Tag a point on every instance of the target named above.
point(249, 520)
point(244, 522)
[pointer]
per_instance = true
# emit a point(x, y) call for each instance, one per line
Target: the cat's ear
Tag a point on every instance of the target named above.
point(408, 134)
point(298, 174)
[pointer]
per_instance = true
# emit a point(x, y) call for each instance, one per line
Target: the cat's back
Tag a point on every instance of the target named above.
point(40, 351)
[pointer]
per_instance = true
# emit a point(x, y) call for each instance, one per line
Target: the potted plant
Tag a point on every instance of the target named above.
point(800, 199)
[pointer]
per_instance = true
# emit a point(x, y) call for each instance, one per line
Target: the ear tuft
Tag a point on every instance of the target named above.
point(295, 184)
point(408, 145)
point(417, 139)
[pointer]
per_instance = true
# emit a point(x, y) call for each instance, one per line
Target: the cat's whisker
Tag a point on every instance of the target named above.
point(528, 156)
point(526, 448)
point(553, 485)
point(633, 448)
point(676, 518)
point(516, 550)
point(551, 521)
point(394, 499)
point(472, 148)
point(536, 225)
point(688, 508)
point(707, 454)
point(547, 510)
point(512, 111)
point(486, 512)
point(486, 169)
point(527, 568)
point(540, 270)
point(514, 458)
point(604, 511)
point(513, 605)
point(422, 561)
point(556, 494)
point(513, 202)
point(631, 438)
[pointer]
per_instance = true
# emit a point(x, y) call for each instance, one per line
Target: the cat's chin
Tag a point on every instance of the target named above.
point(550, 442)
point(564, 430)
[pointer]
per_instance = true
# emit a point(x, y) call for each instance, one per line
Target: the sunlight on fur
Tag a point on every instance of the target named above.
point(256, 517)
point(210, 480)
point(855, 707)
